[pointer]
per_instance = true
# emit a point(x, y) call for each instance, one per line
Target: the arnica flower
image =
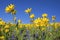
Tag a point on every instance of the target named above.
point(6, 30)
point(19, 21)
point(53, 18)
point(45, 20)
point(20, 25)
point(44, 15)
point(2, 23)
point(28, 10)
point(42, 29)
point(32, 16)
point(6, 26)
point(56, 25)
point(2, 37)
point(9, 8)
point(13, 12)
point(38, 20)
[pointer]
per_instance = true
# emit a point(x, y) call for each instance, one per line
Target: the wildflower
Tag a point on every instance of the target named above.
point(20, 25)
point(44, 15)
point(13, 12)
point(45, 20)
point(2, 23)
point(9, 8)
point(6, 30)
point(43, 29)
point(32, 16)
point(2, 37)
point(53, 18)
point(28, 10)
point(6, 26)
point(19, 21)
point(56, 25)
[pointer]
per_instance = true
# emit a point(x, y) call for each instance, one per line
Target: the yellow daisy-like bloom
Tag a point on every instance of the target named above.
point(6, 26)
point(44, 15)
point(6, 30)
point(19, 21)
point(2, 37)
point(56, 25)
point(45, 20)
point(32, 16)
point(13, 12)
point(20, 25)
point(38, 20)
point(53, 17)
point(2, 23)
point(28, 10)
point(42, 29)
point(9, 8)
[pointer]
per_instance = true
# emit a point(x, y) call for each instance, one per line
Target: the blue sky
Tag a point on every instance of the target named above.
point(51, 7)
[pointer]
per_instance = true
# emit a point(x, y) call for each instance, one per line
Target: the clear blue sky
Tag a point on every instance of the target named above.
point(51, 7)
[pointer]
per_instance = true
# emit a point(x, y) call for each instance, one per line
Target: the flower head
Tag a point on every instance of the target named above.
point(28, 10)
point(19, 21)
point(53, 17)
point(44, 15)
point(2, 37)
point(6, 30)
point(2, 23)
point(32, 16)
point(9, 8)
point(13, 12)
point(6, 26)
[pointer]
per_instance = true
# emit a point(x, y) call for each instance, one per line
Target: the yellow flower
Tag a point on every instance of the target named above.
point(28, 10)
point(42, 24)
point(13, 12)
point(53, 17)
point(2, 23)
point(43, 29)
point(45, 20)
point(44, 15)
point(20, 25)
point(6, 26)
point(19, 21)
point(56, 25)
point(6, 30)
point(32, 16)
point(2, 37)
point(9, 8)
point(38, 20)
